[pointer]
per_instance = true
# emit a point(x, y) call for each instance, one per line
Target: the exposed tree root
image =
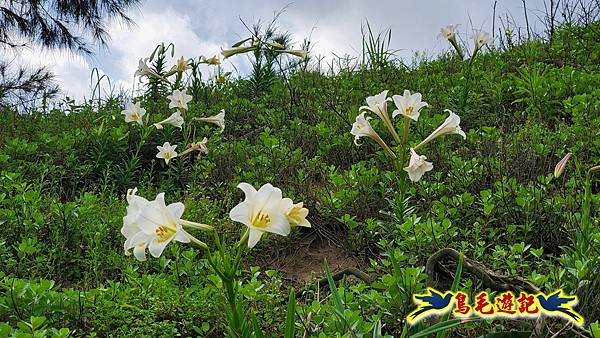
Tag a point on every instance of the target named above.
point(349, 271)
point(437, 272)
point(440, 274)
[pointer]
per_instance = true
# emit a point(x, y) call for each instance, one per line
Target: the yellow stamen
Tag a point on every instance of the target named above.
point(261, 220)
point(164, 233)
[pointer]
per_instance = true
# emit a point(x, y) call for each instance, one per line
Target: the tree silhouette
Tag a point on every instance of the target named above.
point(76, 25)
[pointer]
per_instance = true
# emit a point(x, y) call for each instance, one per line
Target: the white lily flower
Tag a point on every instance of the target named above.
point(200, 147)
point(130, 227)
point(181, 66)
point(143, 69)
point(175, 120)
point(450, 126)
point(218, 119)
point(179, 99)
point(378, 105)
point(408, 105)
point(261, 212)
point(222, 78)
point(214, 61)
point(449, 33)
point(134, 113)
point(481, 38)
point(153, 225)
point(296, 213)
point(166, 152)
point(362, 128)
point(417, 166)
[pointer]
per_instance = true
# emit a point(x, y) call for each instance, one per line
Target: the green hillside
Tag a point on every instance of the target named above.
point(493, 197)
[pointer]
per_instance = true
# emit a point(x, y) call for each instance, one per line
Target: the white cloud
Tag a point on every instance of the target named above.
point(202, 27)
point(129, 44)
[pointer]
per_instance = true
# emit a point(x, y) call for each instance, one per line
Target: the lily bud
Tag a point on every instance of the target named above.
point(275, 45)
point(560, 166)
point(237, 50)
point(296, 52)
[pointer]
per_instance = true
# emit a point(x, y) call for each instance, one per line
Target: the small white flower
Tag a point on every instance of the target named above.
point(152, 225)
point(175, 120)
point(166, 152)
point(181, 66)
point(361, 128)
point(449, 33)
point(213, 61)
point(261, 212)
point(179, 99)
point(134, 113)
point(481, 38)
point(378, 105)
point(143, 69)
point(417, 166)
point(408, 105)
point(450, 126)
point(296, 213)
point(130, 227)
point(218, 119)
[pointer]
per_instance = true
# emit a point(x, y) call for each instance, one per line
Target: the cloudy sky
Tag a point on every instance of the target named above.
point(202, 27)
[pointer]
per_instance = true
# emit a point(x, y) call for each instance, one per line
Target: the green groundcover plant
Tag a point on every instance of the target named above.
point(123, 215)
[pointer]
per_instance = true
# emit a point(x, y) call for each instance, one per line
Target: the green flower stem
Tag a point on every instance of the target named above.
point(392, 130)
point(243, 239)
point(385, 147)
point(227, 270)
point(463, 102)
point(198, 242)
point(457, 48)
point(231, 296)
point(405, 131)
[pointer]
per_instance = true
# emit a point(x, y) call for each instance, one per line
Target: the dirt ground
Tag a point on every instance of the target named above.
point(303, 261)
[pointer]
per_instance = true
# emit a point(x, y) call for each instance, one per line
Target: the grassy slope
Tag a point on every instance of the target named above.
point(63, 178)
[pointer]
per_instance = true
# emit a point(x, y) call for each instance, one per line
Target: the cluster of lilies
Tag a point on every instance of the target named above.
point(179, 100)
point(480, 39)
point(153, 225)
point(409, 106)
